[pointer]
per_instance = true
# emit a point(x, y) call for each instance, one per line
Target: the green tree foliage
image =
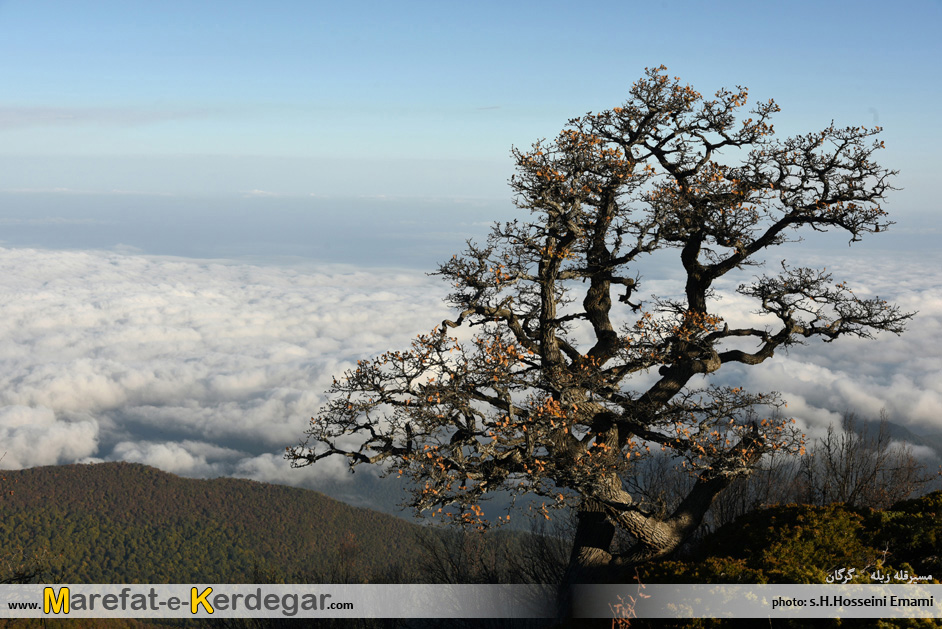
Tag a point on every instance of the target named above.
point(129, 523)
point(805, 543)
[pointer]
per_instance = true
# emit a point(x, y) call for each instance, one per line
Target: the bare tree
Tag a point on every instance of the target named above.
point(565, 386)
point(773, 482)
point(536, 557)
point(860, 467)
point(464, 557)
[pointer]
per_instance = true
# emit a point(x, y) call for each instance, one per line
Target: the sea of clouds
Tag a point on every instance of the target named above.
point(197, 367)
point(211, 368)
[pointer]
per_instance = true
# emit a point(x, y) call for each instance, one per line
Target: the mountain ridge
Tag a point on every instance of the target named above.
point(153, 526)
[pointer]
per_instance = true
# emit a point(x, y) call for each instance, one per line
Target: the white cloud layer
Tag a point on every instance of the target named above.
point(199, 368)
point(32, 436)
point(902, 374)
point(206, 368)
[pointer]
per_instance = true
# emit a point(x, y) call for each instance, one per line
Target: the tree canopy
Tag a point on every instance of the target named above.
point(569, 375)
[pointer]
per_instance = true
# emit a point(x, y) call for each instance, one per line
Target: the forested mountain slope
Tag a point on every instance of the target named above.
point(124, 522)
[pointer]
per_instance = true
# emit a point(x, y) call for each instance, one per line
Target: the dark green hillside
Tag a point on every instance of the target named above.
point(123, 522)
point(803, 544)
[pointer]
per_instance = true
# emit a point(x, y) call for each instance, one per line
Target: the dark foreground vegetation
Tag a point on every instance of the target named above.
point(805, 544)
point(129, 523)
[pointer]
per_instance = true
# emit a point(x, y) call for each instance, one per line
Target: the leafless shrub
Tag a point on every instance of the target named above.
point(860, 467)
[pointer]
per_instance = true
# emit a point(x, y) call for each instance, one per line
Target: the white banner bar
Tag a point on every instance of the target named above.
point(758, 601)
point(469, 601)
point(277, 601)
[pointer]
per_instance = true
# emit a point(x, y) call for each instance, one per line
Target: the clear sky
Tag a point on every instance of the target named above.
point(158, 159)
point(418, 99)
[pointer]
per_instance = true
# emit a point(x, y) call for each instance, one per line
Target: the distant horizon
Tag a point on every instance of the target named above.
point(398, 232)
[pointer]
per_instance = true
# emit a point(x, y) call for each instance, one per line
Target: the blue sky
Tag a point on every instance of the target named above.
point(208, 209)
point(417, 99)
